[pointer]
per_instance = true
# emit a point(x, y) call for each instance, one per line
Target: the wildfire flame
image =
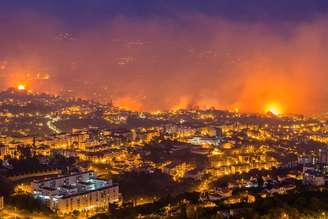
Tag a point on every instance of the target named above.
point(21, 87)
point(274, 108)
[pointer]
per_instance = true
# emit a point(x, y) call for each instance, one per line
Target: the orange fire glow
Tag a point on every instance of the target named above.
point(21, 87)
point(128, 103)
point(274, 108)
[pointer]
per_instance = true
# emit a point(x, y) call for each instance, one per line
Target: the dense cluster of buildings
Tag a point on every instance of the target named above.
point(229, 160)
point(200, 146)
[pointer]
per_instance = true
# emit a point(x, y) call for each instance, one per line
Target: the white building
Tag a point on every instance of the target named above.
point(80, 191)
point(204, 140)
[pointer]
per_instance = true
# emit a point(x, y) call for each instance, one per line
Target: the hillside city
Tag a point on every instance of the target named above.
point(74, 158)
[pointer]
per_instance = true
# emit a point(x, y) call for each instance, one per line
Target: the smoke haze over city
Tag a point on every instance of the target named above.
point(148, 57)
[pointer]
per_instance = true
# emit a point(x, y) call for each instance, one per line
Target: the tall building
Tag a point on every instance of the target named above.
point(323, 156)
point(3, 151)
point(2, 205)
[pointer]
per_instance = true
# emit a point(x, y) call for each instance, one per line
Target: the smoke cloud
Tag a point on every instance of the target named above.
point(159, 64)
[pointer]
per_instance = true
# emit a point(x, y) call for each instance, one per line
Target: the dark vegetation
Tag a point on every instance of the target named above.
point(157, 184)
point(28, 203)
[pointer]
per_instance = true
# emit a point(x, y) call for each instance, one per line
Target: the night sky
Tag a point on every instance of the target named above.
point(88, 12)
point(169, 54)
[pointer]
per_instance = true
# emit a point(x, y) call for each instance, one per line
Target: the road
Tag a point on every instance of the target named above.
point(51, 124)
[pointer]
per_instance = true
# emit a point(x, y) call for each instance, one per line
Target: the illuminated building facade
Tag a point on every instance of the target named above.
point(323, 156)
point(1, 203)
point(204, 140)
point(313, 178)
point(76, 192)
point(3, 151)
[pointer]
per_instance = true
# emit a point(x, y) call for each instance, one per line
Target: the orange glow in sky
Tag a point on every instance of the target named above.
point(274, 108)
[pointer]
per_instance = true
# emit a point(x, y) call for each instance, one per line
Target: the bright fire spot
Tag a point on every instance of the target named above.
point(273, 108)
point(21, 87)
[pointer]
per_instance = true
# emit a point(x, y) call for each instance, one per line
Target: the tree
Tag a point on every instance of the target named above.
point(6, 187)
point(260, 181)
point(293, 213)
point(315, 204)
point(300, 203)
point(29, 203)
